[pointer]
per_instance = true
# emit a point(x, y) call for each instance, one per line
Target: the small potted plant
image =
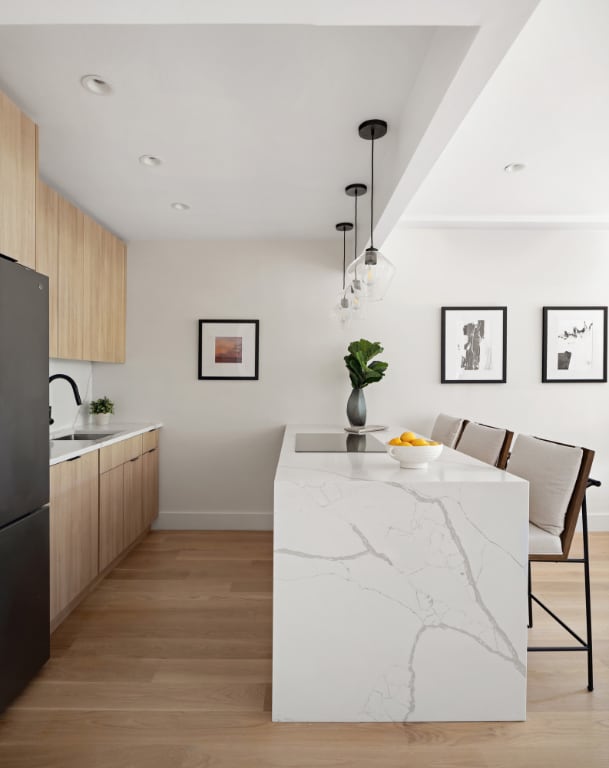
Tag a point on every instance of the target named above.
point(361, 373)
point(101, 410)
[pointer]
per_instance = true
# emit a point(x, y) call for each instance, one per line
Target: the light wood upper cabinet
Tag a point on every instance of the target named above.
point(74, 518)
point(71, 310)
point(47, 204)
point(104, 292)
point(18, 174)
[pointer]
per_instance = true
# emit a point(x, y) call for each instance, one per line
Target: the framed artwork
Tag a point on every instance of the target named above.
point(574, 346)
point(474, 345)
point(228, 349)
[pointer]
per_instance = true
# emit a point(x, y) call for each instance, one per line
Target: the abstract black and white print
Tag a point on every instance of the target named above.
point(574, 344)
point(473, 344)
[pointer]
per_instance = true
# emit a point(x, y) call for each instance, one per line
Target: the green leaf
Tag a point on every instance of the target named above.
point(360, 372)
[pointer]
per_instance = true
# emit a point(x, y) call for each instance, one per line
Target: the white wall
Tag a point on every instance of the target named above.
point(66, 413)
point(221, 439)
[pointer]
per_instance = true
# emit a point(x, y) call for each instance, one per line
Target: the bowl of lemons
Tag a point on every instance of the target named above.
point(412, 451)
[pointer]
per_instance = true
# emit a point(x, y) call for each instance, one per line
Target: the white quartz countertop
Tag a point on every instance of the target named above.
point(451, 466)
point(62, 450)
point(399, 595)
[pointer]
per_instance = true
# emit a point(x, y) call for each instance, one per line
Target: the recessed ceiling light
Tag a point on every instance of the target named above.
point(180, 206)
point(95, 84)
point(514, 167)
point(150, 160)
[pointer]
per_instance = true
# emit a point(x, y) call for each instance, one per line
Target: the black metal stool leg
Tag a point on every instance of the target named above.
point(587, 591)
point(530, 624)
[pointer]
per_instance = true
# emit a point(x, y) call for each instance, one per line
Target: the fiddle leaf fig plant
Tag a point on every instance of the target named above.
point(103, 405)
point(361, 371)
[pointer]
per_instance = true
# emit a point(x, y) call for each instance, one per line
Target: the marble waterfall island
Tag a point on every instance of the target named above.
point(399, 595)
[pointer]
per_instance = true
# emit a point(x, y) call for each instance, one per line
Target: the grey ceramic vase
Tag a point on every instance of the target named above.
point(356, 408)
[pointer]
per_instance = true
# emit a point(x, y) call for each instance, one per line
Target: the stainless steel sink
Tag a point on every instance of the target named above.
point(86, 436)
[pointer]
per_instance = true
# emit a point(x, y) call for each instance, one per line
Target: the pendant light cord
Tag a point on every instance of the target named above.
point(372, 190)
point(355, 235)
point(344, 256)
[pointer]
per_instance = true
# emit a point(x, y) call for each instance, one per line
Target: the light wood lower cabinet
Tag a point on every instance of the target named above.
point(111, 510)
point(101, 503)
point(128, 493)
point(150, 485)
point(133, 521)
point(73, 529)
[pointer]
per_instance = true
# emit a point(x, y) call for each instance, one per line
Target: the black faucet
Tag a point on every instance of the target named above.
point(72, 383)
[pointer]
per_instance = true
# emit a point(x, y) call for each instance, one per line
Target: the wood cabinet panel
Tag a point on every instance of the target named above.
point(117, 306)
point(104, 294)
point(18, 174)
point(133, 516)
point(111, 509)
point(71, 313)
point(150, 440)
point(47, 204)
point(150, 486)
point(74, 535)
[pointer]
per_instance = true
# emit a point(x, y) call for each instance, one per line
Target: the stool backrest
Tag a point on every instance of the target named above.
point(489, 444)
point(447, 429)
point(557, 474)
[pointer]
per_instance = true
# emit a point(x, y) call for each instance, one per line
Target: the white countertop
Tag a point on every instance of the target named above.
point(61, 450)
point(450, 467)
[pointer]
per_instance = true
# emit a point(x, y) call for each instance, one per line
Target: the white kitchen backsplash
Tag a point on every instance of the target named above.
point(66, 413)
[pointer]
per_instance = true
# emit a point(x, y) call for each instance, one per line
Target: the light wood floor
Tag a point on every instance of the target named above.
point(168, 664)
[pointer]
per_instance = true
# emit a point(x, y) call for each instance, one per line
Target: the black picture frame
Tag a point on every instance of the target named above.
point(235, 352)
point(465, 360)
point(571, 343)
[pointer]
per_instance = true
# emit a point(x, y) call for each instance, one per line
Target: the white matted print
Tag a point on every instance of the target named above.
point(228, 349)
point(574, 344)
point(474, 345)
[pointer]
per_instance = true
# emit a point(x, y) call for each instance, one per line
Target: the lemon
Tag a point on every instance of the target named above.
point(395, 441)
point(408, 437)
point(419, 441)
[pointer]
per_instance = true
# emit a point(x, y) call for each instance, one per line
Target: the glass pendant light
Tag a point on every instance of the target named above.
point(375, 269)
point(344, 305)
point(358, 290)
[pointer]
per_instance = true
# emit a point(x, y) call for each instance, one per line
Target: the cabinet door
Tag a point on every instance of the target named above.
point(118, 298)
point(96, 282)
point(111, 509)
point(18, 173)
point(47, 202)
point(74, 533)
point(104, 295)
point(70, 318)
point(150, 486)
point(133, 521)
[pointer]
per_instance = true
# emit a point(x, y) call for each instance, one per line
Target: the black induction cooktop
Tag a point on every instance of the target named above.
point(328, 442)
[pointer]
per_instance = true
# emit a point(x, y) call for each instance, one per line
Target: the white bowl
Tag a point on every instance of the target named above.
point(414, 456)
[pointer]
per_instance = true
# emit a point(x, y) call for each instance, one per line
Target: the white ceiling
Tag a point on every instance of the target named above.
point(256, 123)
point(547, 106)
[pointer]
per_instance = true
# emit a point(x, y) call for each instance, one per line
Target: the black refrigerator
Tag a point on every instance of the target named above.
point(24, 476)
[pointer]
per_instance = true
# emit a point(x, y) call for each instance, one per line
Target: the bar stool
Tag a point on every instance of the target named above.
point(558, 476)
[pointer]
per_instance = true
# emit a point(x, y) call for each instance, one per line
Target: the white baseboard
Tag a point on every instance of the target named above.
point(214, 521)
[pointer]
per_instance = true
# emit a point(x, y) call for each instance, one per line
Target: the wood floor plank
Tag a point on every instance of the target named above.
point(168, 665)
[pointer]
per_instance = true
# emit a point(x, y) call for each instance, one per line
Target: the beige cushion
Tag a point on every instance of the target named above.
point(551, 471)
point(446, 429)
point(481, 442)
point(543, 543)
